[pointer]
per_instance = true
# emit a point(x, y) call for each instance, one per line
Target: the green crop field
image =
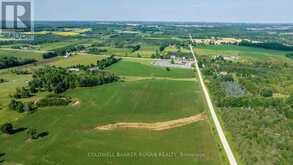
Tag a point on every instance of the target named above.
point(83, 59)
point(21, 54)
point(245, 53)
point(130, 68)
point(71, 132)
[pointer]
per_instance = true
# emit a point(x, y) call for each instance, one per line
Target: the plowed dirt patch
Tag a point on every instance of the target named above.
point(158, 126)
point(76, 103)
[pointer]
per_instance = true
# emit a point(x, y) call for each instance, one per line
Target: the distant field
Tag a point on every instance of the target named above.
point(130, 68)
point(146, 51)
point(73, 32)
point(76, 59)
point(246, 53)
point(65, 34)
point(57, 45)
point(21, 54)
point(118, 51)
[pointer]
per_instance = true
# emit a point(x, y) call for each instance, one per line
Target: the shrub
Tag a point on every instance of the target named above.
point(96, 50)
point(20, 106)
point(32, 134)
point(290, 56)
point(290, 100)
point(21, 72)
point(49, 55)
point(267, 93)
point(54, 100)
point(2, 80)
point(7, 128)
point(163, 46)
point(22, 93)
point(104, 63)
point(227, 77)
point(16, 105)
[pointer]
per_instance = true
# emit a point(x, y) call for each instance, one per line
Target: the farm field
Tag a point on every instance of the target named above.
point(132, 68)
point(21, 54)
point(245, 53)
point(82, 59)
point(72, 127)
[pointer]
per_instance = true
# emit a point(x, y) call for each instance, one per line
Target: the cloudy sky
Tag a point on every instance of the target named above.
point(166, 10)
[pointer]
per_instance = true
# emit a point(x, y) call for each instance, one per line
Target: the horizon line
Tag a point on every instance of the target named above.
point(167, 21)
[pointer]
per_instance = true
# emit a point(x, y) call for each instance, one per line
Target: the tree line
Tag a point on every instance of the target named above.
point(267, 45)
point(7, 62)
point(106, 62)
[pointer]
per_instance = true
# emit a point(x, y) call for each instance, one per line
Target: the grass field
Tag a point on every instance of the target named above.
point(83, 59)
point(56, 45)
point(72, 32)
point(66, 34)
point(7, 89)
point(131, 68)
point(21, 54)
point(146, 51)
point(72, 138)
point(71, 128)
point(245, 53)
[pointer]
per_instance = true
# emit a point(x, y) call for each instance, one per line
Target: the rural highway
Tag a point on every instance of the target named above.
point(219, 129)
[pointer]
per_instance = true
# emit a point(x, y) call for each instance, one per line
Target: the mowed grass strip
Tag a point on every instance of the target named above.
point(72, 135)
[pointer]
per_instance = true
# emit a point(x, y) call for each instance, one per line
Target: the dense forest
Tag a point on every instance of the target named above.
point(258, 117)
point(267, 45)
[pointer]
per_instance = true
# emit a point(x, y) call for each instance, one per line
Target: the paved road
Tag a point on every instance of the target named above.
point(219, 129)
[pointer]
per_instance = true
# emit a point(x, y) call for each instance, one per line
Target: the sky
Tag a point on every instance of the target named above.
point(262, 11)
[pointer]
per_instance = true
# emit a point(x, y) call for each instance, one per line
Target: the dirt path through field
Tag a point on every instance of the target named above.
point(159, 126)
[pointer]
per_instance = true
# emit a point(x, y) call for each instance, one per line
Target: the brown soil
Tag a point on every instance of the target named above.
point(76, 103)
point(159, 126)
